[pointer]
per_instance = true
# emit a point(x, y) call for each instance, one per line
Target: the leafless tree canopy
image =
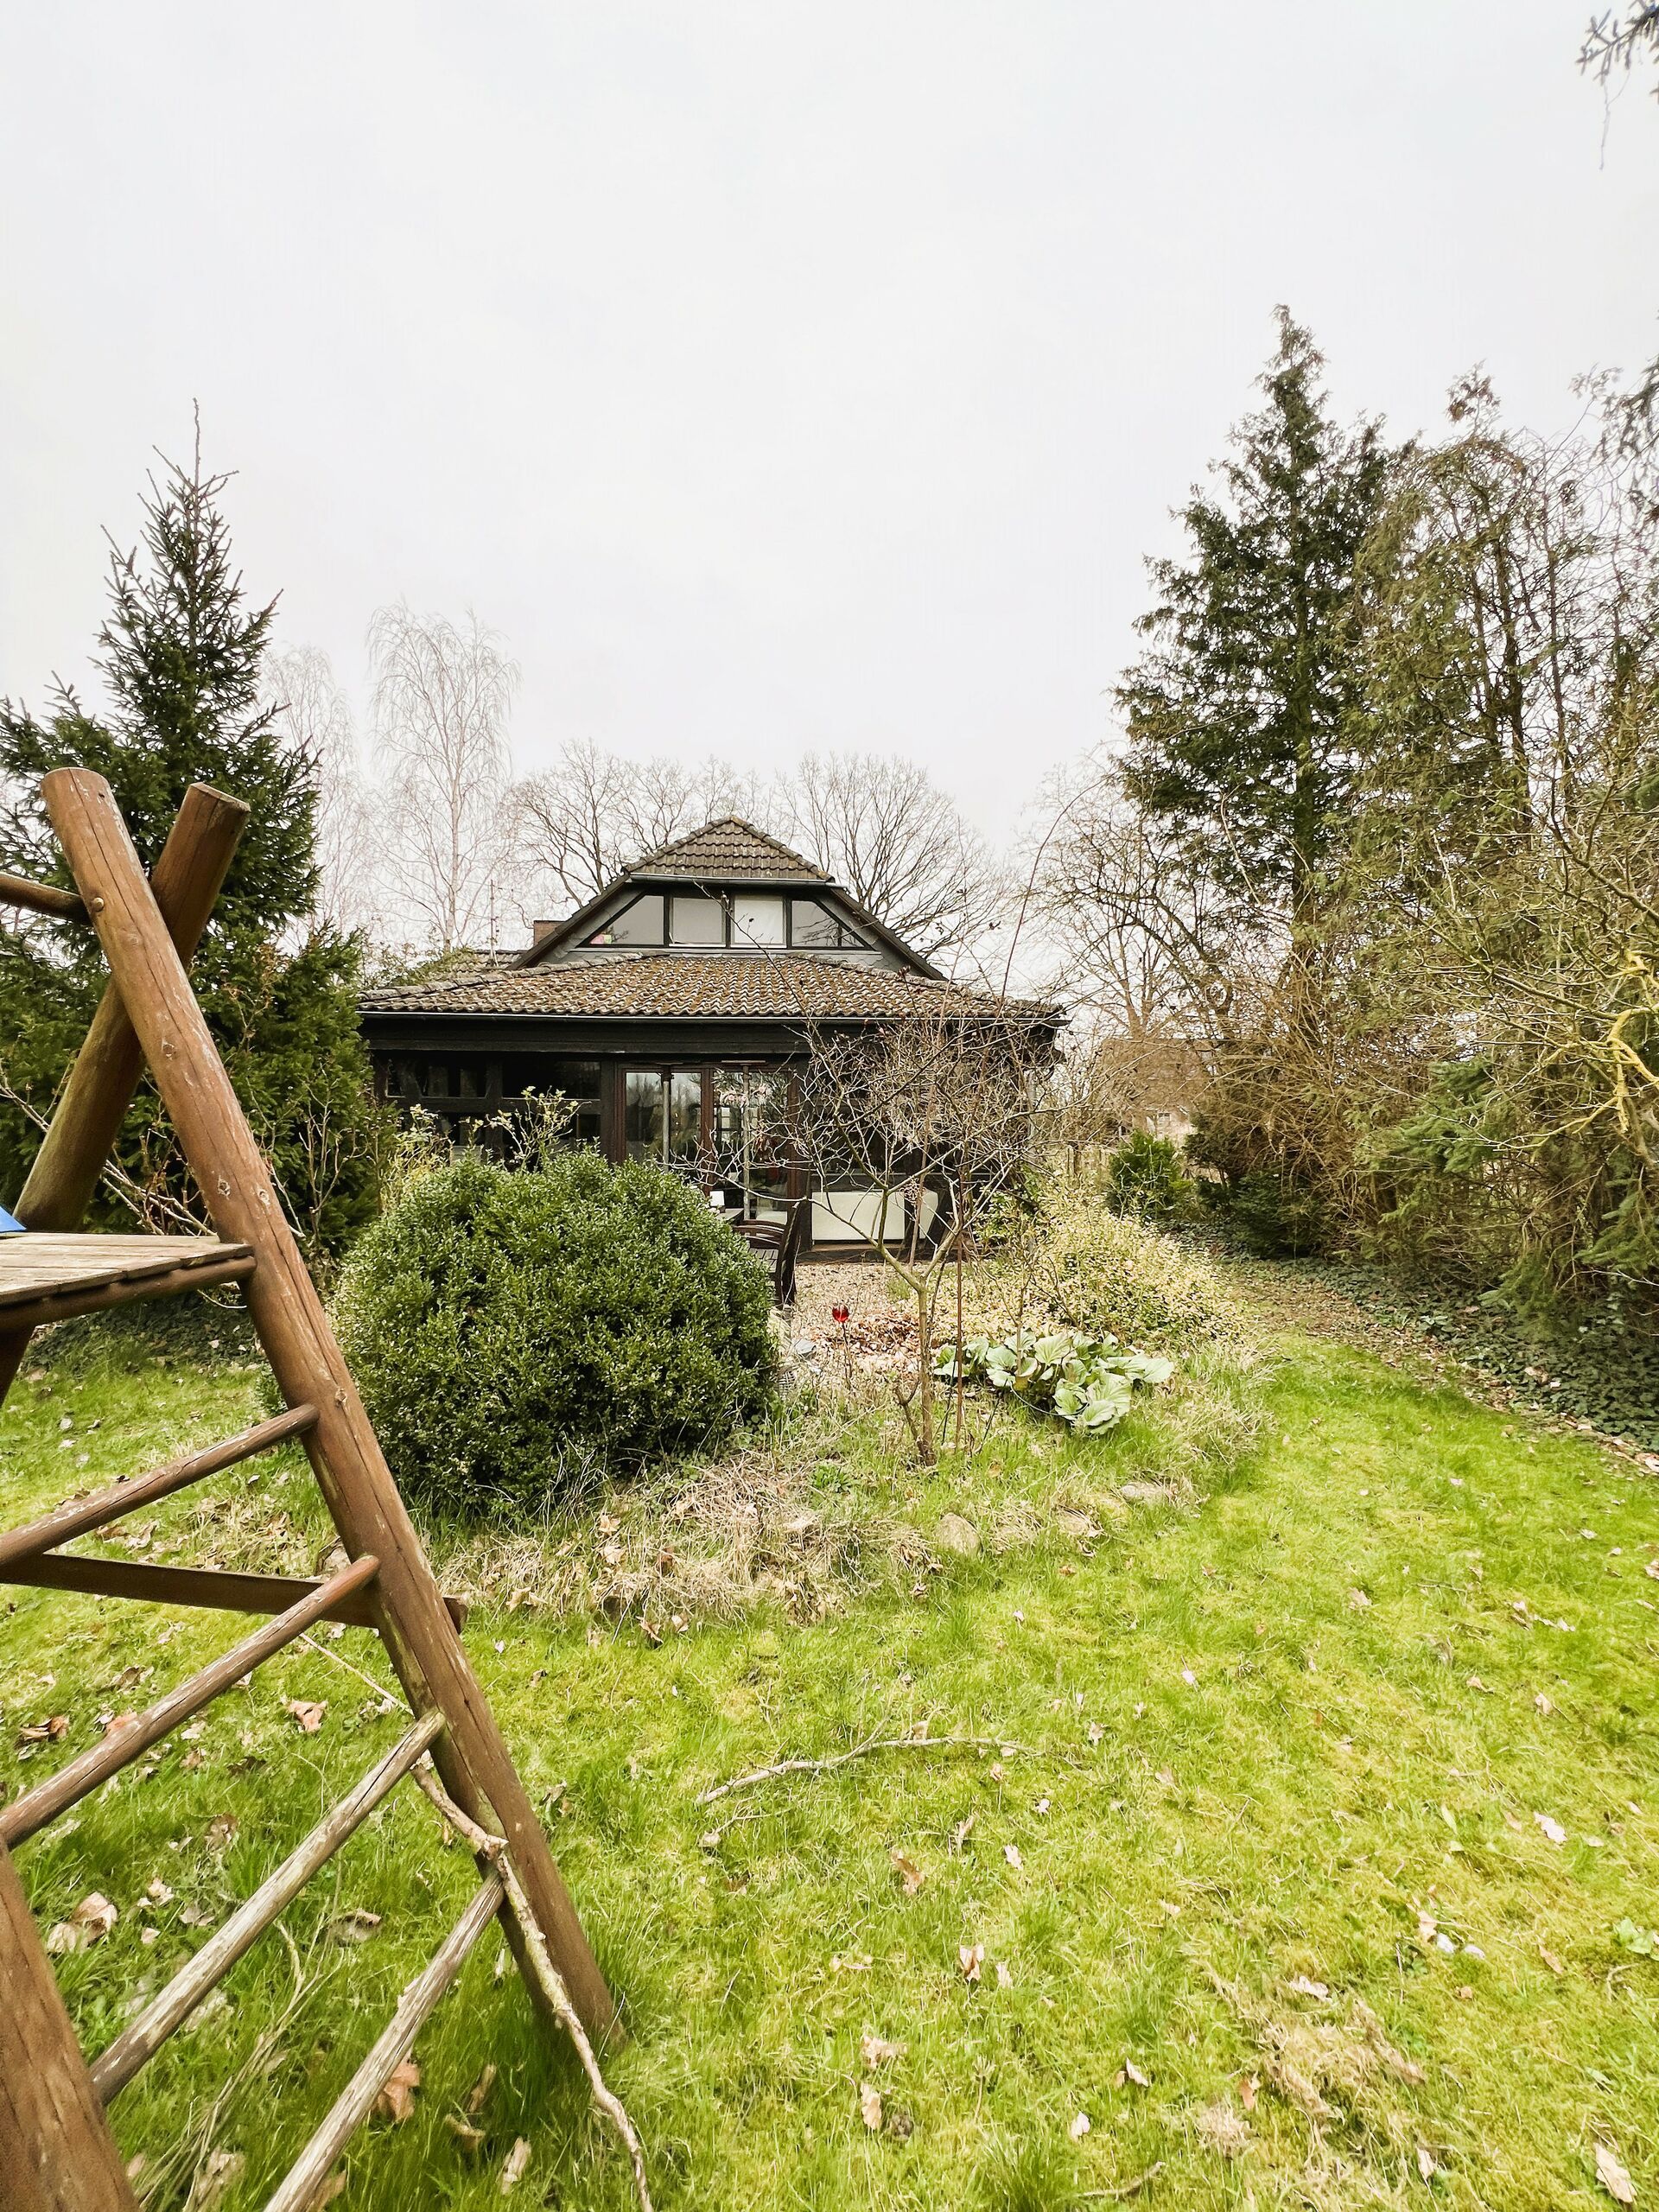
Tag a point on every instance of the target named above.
point(901, 846)
point(442, 694)
point(593, 813)
point(312, 713)
point(879, 826)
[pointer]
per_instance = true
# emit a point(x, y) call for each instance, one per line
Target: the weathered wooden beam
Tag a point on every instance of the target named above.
point(41, 898)
point(171, 2007)
point(29, 1814)
point(78, 1516)
point(289, 1315)
point(26, 1315)
point(216, 1588)
point(416, 2005)
point(187, 878)
point(56, 2152)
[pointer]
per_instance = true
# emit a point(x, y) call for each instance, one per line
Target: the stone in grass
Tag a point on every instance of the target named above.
point(955, 1535)
point(1143, 1493)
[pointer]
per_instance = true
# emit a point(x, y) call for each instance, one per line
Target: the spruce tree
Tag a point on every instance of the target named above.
point(1238, 715)
point(178, 653)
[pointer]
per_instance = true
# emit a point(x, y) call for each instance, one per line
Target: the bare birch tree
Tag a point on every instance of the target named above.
point(442, 694)
point(312, 714)
point(592, 812)
point(898, 844)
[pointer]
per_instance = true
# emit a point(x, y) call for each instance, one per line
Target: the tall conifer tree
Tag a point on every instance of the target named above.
point(179, 652)
point(1238, 712)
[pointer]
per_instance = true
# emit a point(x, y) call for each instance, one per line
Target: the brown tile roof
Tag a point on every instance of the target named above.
point(783, 986)
point(730, 848)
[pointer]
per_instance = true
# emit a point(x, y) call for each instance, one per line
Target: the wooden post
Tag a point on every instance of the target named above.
point(370, 1514)
point(56, 2152)
point(105, 1074)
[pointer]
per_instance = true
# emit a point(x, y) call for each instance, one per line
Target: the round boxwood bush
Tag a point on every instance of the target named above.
point(512, 1330)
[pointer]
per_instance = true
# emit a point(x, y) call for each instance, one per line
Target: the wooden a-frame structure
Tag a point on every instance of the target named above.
point(57, 2151)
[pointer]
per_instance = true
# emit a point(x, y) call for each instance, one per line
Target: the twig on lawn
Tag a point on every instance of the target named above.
point(386, 1696)
point(494, 1849)
point(1124, 2189)
point(863, 1751)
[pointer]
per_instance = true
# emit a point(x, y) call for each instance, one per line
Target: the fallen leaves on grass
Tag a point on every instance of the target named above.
point(1130, 2072)
point(396, 2102)
point(1552, 1828)
point(55, 1725)
point(1308, 2061)
point(89, 1923)
point(1613, 2176)
point(876, 2051)
point(355, 1925)
point(869, 2105)
point(1011, 1853)
point(1079, 2127)
point(971, 1957)
point(307, 1712)
point(216, 2176)
point(513, 2168)
point(908, 1872)
point(1223, 2130)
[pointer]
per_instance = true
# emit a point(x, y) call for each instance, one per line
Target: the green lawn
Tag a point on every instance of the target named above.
point(1263, 1890)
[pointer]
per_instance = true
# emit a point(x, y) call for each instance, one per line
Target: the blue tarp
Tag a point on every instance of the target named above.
point(7, 1226)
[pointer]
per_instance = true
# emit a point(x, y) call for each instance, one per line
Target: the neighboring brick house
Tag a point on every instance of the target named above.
point(671, 1011)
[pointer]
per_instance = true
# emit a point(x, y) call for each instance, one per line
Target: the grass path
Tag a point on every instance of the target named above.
point(1269, 1899)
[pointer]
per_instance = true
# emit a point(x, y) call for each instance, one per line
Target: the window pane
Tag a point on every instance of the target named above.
point(757, 921)
point(579, 1080)
point(644, 1114)
point(751, 1144)
point(641, 924)
point(699, 921)
point(684, 1117)
point(811, 925)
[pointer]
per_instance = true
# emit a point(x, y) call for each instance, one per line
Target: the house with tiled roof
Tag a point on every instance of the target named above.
point(674, 1013)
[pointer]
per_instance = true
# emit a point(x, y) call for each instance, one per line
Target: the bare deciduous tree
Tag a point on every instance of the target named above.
point(901, 846)
point(593, 813)
point(442, 694)
point(312, 712)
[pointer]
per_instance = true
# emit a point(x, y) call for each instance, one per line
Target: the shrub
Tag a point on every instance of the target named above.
point(1145, 1178)
point(1076, 1265)
point(514, 1331)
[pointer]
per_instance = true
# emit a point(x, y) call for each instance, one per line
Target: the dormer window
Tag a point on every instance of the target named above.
point(697, 921)
point(813, 928)
point(641, 923)
point(747, 921)
point(758, 920)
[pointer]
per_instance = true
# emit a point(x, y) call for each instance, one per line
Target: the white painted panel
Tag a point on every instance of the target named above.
point(852, 1216)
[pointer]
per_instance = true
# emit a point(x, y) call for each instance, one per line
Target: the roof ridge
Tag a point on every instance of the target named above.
point(765, 837)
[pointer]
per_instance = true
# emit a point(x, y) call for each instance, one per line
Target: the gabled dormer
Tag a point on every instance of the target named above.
point(726, 888)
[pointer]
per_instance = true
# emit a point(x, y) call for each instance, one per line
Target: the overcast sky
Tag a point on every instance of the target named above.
point(773, 376)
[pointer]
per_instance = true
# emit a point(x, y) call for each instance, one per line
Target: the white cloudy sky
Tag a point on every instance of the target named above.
point(772, 375)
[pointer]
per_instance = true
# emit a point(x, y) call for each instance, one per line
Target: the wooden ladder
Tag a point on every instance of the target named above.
point(57, 2151)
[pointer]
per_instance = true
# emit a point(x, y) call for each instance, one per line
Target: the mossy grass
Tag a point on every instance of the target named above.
point(1283, 1737)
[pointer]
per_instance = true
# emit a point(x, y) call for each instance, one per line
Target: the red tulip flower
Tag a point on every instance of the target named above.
point(840, 1315)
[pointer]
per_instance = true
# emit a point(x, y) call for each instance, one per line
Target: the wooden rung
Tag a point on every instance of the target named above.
point(79, 1515)
point(45, 1277)
point(414, 2007)
point(210, 1586)
point(25, 1816)
point(135, 2045)
point(40, 899)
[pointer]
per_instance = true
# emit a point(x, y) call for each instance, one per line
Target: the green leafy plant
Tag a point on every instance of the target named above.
point(1086, 1381)
point(1145, 1178)
point(1644, 1943)
point(516, 1332)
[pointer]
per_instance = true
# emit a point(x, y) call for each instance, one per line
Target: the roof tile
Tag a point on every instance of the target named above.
point(790, 986)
